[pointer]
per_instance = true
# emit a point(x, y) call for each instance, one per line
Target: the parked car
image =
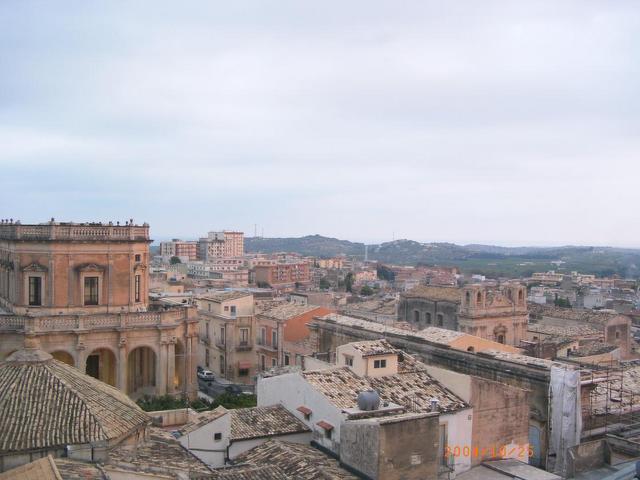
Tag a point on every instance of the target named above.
point(206, 375)
point(235, 390)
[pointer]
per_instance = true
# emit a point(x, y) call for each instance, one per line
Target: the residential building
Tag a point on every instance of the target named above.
point(462, 353)
point(283, 276)
point(283, 335)
point(219, 436)
point(227, 332)
point(413, 411)
point(82, 289)
point(179, 248)
point(221, 244)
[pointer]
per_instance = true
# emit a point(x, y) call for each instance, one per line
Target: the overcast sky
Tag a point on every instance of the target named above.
point(511, 123)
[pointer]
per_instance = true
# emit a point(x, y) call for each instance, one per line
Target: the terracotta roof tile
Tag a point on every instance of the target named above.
point(49, 403)
point(259, 422)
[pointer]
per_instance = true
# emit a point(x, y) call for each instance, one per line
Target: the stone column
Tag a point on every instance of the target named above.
point(81, 354)
point(190, 388)
point(163, 369)
point(121, 381)
point(171, 364)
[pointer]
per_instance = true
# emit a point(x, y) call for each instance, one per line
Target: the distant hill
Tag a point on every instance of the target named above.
point(489, 260)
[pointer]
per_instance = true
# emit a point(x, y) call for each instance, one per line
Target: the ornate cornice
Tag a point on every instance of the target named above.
point(34, 267)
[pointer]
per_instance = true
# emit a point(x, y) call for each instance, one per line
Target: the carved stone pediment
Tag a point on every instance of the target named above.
point(34, 267)
point(139, 267)
point(90, 267)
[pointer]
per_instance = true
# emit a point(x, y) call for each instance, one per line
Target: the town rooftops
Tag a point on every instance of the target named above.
point(296, 460)
point(161, 454)
point(413, 390)
point(373, 347)
point(437, 293)
point(247, 471)
point(267, 421)
point(46, 403)
point(220, 297)
point(565, 330)
point(576, 314)
point(285, 311)
point(41, 469)
point(203, 419)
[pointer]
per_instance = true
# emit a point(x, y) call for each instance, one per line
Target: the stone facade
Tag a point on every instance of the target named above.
point(82, 290)
point(494, 313)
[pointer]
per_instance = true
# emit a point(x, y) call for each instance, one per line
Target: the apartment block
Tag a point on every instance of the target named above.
point(221, 244)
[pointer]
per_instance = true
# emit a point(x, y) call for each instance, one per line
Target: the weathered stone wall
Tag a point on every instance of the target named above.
point(392, 450)
point(500, 417)
point(428, 312)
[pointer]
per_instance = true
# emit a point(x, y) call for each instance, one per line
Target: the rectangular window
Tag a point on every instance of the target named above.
point(222, 339)
point(243, 372)
point(233, 310)
point(348, 360)
point(286, 359)
point(273, 362)
point(274, 339)
point(35, 291)
point(217, 437)
point(222, 365)
point(137, 288)
point(379, 364)
point(263, 336)
point(138, 257)
point(244, 336)
point(91, 290)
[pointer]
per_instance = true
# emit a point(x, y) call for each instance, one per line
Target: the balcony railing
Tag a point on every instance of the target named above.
point(90, 322)
point(244, 346)
point(68, 231)
point(267, 346)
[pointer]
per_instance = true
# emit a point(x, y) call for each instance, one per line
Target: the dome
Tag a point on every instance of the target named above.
point(45, 403)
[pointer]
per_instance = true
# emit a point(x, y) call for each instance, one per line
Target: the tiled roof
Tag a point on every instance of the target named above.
point(225, 296)
point(432, 334)
point(264, 421)
point(585, 315)
point(46, 403)
point(519, 358)
point(439, 294)
point(202, 419)
point(162, 454)
point(247, 472)
point(413, 390)
point(77, 470)
point(373, 347)
point(297, 461)
point(41, 469)
point(286, 311)
point(567, 330)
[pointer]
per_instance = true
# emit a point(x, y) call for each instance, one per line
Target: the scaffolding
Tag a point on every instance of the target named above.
point(610, 397)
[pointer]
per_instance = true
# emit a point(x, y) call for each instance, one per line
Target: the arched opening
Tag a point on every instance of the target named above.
point(416, 316)
point(141, 370)
point(500, 338)
point(427, 317)
point(479, 298)
point(520, 296)
point(468, 298)
point(64, 357)
point(179, 373)
point(101, 364)
point(440, 318)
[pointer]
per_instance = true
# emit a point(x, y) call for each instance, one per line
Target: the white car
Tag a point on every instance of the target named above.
point(206, 375)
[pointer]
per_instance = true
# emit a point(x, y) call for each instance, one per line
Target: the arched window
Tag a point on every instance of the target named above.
point(440, 319)
point(520, 296)
point(500, 338)
point(479, 298)
point(427, 318)
point(468, 298)
point(416, 316)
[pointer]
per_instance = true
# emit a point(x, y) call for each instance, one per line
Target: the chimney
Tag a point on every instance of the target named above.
point(435, 405)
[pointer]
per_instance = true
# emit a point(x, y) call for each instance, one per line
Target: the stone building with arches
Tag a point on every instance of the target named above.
point(82, 290)
point(497, 313)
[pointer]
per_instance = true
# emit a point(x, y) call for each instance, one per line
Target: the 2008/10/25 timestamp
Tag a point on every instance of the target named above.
point(504, 451)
